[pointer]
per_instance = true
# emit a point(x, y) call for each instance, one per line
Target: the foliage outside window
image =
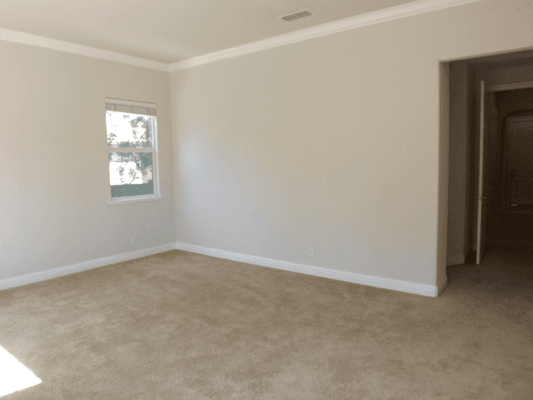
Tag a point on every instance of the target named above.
point(132, 148)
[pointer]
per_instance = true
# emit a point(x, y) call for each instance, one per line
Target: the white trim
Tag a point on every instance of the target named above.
point(83, 266)
point(134, 199)
point(130, 103)
point(511, 86)
point(40, 41)
point(155, 160)
point(455, 260)
point(358, 21)
point(481, 172)
point(401, 286)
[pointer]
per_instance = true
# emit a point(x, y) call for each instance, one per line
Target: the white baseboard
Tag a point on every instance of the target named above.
point(83, 266)
point(401, 286)
point(455, 260)
point(392, 284)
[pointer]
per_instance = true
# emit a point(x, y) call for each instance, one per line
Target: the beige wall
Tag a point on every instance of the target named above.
point(54, 177)
point(337, 143)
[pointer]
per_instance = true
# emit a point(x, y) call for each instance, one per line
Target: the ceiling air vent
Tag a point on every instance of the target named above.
point(296, 15)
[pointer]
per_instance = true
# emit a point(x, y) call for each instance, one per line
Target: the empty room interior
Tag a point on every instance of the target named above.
point(266, 200)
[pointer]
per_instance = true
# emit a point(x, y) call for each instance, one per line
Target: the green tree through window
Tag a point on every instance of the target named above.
point(131, 141)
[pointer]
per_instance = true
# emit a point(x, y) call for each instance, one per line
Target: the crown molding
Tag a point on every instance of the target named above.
point(376, 17)
point(47, 43)
point(358, 21)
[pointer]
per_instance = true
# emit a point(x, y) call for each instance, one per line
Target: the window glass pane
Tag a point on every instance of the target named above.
point(131, 174)
point(129, 130)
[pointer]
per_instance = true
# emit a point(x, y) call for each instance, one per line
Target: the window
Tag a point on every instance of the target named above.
point(132, 149)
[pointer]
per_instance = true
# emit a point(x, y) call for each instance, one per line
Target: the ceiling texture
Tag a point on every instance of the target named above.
point(172, 30)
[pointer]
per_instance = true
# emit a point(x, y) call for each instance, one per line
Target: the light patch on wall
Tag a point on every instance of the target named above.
point(191, 150)
point(14, 376)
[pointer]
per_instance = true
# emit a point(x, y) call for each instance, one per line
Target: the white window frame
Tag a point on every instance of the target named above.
point(154, 150)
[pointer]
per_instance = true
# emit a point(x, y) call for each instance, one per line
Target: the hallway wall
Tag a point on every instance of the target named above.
point(461, 79)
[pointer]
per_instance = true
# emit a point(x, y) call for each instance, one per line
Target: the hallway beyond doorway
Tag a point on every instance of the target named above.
point(505, 274)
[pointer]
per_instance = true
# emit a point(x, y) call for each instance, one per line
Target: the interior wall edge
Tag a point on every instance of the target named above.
point(442, 282)
point(443, 201)
point(335, 274)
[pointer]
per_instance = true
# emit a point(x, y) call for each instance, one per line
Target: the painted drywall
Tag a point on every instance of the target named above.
point(337, 143)
point(458, 163)
point(54, 178)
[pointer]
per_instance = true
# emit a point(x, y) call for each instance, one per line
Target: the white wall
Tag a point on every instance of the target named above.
point(54, 177)
point(337, 143)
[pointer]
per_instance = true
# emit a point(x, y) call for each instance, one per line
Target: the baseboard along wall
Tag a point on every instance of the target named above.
point(345, 276)
point(83, 266)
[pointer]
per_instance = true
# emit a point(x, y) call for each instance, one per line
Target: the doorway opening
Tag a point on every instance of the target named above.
point(490, 194)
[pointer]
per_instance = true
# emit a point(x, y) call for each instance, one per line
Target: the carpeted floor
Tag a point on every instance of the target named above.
point(183, 326)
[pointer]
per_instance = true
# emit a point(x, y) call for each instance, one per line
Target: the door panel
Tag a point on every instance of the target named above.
point(520, 137)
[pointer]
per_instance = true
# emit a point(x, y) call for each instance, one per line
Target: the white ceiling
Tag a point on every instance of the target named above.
point(172, 30)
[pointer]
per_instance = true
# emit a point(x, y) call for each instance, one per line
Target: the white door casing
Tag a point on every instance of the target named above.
point(482, 179)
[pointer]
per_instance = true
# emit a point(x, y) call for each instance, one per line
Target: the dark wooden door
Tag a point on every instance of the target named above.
point(520, 144)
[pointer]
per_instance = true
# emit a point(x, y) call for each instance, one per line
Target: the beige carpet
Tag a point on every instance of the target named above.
point(183, 326)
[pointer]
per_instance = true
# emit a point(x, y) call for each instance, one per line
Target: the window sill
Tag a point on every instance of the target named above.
point(134, 200)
